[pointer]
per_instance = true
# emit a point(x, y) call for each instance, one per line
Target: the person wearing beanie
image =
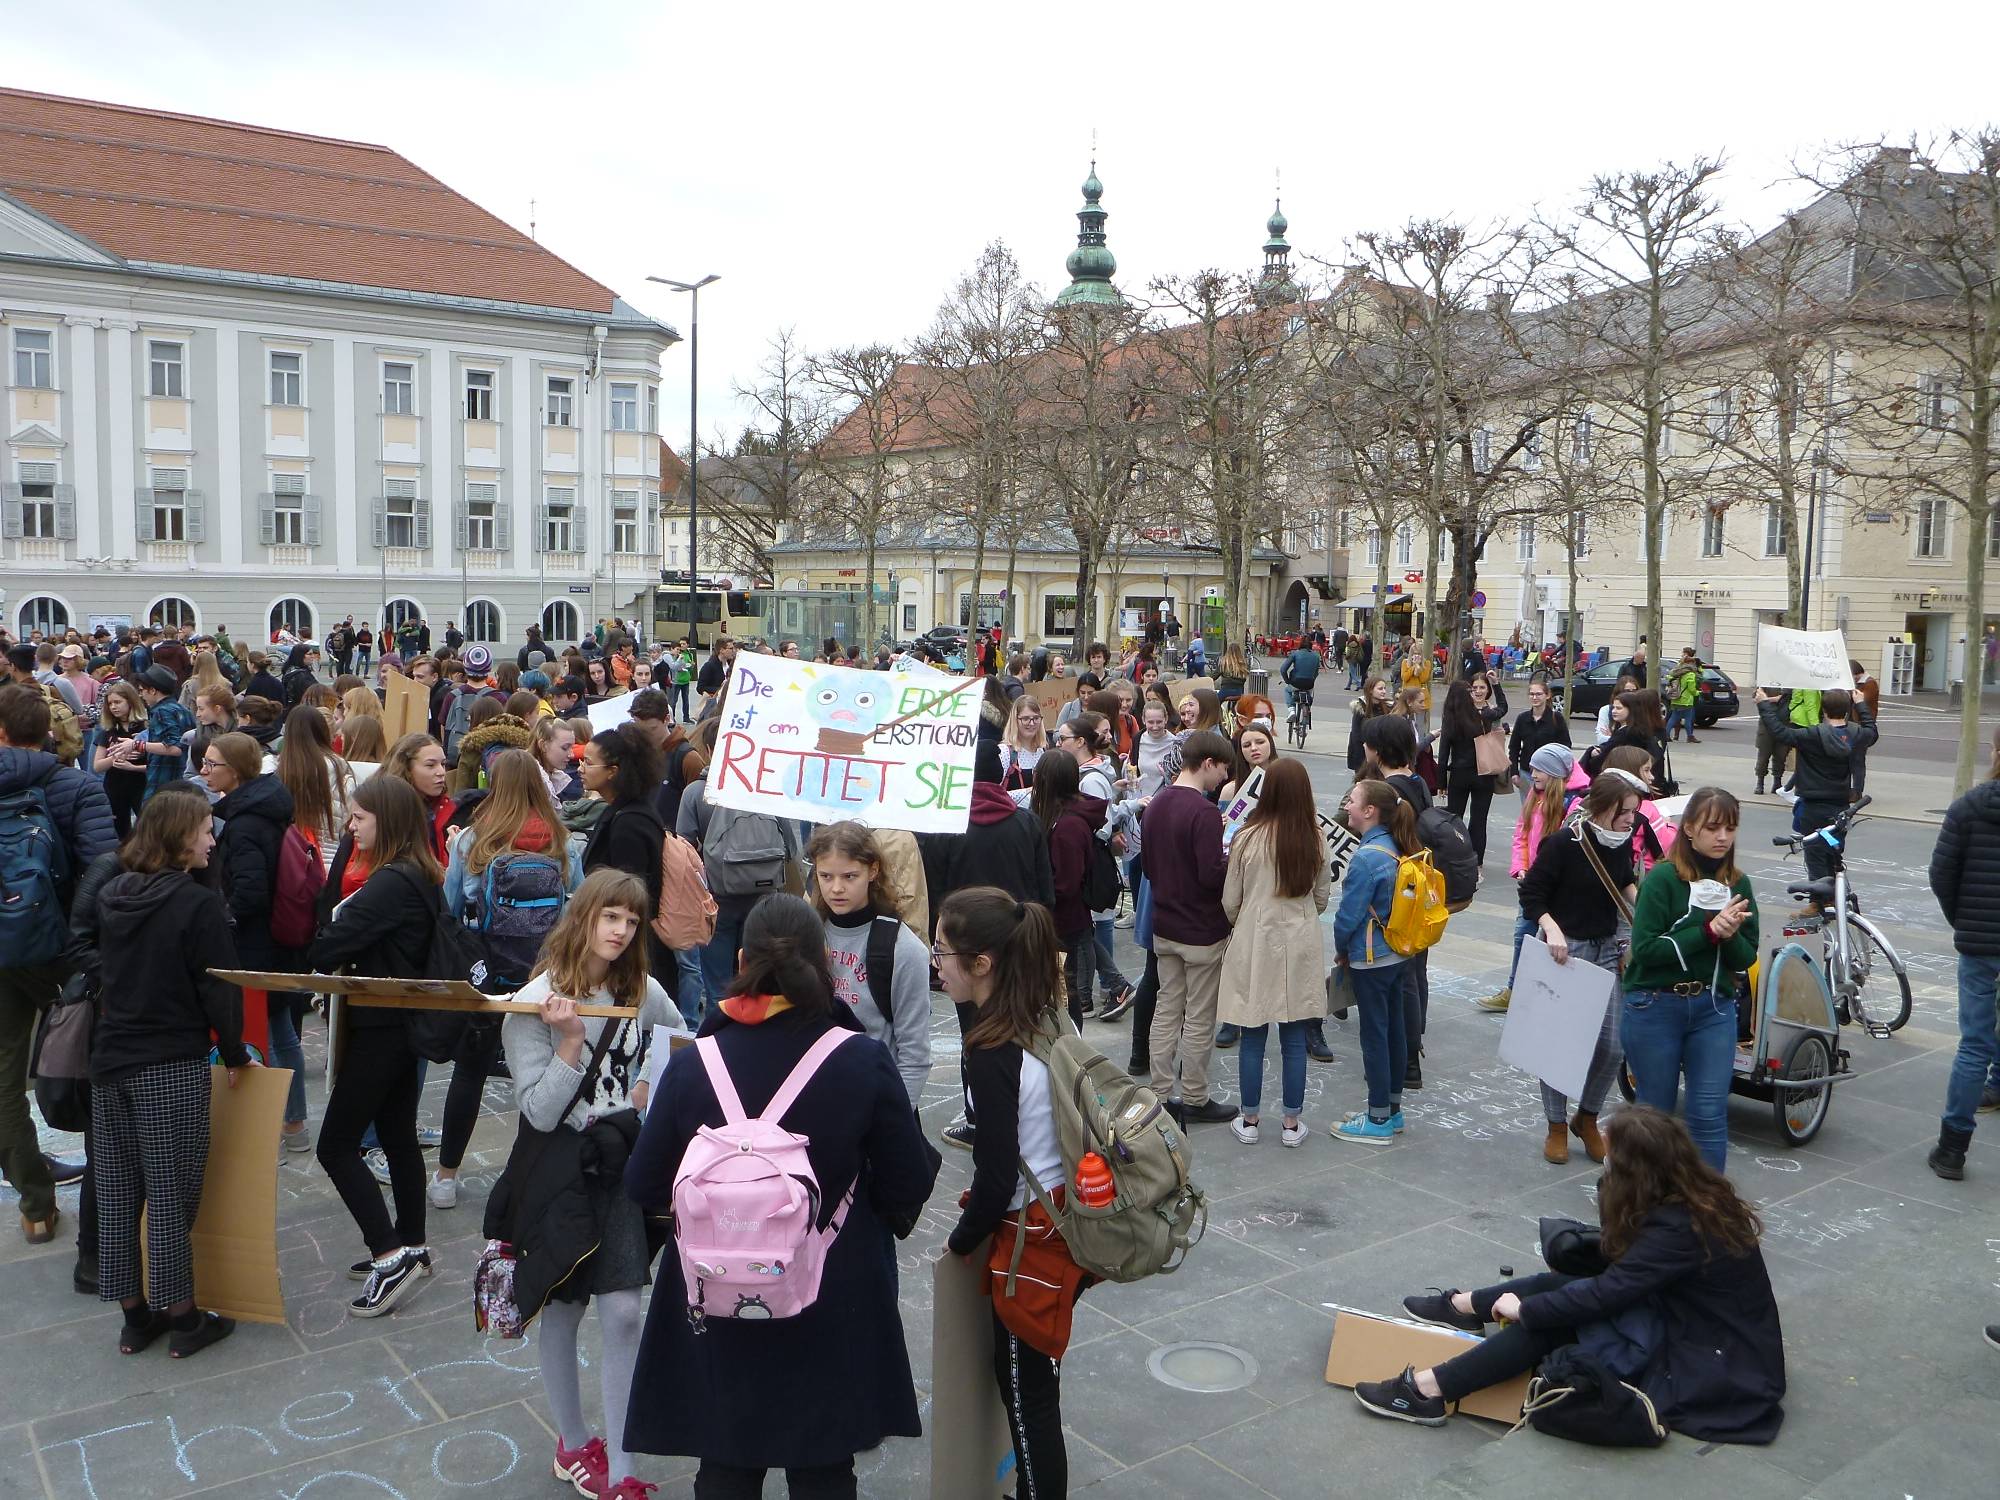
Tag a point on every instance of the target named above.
point(478, 662)
point(1547, 804)
point(1542, 722)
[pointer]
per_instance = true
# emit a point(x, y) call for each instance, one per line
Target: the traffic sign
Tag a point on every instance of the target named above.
point(1479, 599)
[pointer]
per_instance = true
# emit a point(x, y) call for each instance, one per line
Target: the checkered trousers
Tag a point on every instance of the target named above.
point(149, 1149)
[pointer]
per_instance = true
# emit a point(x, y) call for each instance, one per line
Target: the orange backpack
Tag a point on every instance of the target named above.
point(686, 918)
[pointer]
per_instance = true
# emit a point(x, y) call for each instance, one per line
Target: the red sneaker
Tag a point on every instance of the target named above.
point(629, 1488)
point(587, 1469)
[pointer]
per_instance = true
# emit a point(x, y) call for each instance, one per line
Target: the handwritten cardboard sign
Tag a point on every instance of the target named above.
point(406, 706)
point(1802, 659)
point(1555, 1017)
point(1052, 693)
point(823, 743)
point(1179, 690)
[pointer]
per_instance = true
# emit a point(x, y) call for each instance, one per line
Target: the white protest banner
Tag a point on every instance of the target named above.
point(1555, 1016)
point(889, 749)
point(1242, 804)
point(611, 713)
point(1340, 846)
point(1802, 659)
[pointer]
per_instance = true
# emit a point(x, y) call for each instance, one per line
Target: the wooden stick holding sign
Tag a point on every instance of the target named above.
point(405, 994)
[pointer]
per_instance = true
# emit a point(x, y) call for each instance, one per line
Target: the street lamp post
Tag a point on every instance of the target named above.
point(693, 289)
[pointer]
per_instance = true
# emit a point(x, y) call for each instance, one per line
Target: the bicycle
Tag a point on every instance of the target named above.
point(1299, 721)
point(1852, 947)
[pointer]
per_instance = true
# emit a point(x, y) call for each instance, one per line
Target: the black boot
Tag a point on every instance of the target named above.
point(1760, 786)
point(1316, 1047)
point(1947, 1157)
point(84, 1277)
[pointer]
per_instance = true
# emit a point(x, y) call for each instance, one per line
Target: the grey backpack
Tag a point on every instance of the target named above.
point(743, 853)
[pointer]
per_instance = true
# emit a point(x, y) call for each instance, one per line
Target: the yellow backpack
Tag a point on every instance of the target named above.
point(1417, 908)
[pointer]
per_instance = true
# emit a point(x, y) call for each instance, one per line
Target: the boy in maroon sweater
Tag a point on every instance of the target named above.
point(1180, 843)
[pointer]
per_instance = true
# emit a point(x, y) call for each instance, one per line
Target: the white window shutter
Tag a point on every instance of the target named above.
point(541, 525)
point(422, 524)
point(196, 506)
point(66, 512)
point(375, 521)
point(503, 526)
point(579, 528)
point(267, 519)
point(10, 510)
point(310, 527)
point(458, 523)
point(653, 531)
point(145, 515)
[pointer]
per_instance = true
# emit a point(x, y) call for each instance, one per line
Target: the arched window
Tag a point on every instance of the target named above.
point(51, 616)
point(294, 615)
point(559, 623)
point(171, 612)
point(482, 622)
point(401, 611)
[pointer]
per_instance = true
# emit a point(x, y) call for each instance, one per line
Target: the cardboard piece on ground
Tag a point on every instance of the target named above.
point(236, 1232)
point(406, 706)
point(1555, 1017)
point(972, 1454)
point(1179, 690)
point(1802, 659)
point(1368, 1347)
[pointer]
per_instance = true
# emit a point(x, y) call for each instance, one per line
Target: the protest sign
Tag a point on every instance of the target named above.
point(823, 743)
point(972, 1454)
point(235, 1237)
point(1243, 803)
point(611, 713)
point(1052, 693)
point(1555, 1017)
point(1802, 659)
point(406, 706)
point(1340, 846)
point(1179, 690)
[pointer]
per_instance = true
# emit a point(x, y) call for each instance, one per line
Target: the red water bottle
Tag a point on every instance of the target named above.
point(1094, 1186)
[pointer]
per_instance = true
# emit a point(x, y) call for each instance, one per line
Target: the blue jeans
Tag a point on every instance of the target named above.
point(1666, 1035)
point(288, 1052)
point(1292, 1054)
point(1978, 1039)
point(1522, 927)
point(718, 954)
point(1384, 1040)
point(691, 988)
point(1683, 717)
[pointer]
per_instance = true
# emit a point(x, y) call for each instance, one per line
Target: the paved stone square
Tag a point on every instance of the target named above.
point(1884, 1275)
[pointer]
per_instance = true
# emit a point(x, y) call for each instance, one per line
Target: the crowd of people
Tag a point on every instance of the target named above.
point(214, 807)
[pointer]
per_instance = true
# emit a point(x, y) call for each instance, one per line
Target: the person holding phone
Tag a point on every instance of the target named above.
point(1694, 930)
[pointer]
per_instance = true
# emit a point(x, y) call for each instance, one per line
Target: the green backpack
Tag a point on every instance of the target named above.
point(1151, 1221)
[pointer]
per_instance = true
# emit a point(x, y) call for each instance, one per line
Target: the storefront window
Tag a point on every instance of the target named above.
point(1989, 658)
point(1059, 615)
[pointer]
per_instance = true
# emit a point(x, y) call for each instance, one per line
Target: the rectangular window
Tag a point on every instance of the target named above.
point(399, 512)
point(1058, 615)
point(1524, 542)
point(558, 506)
point(1939, 406)
point(478, 395)
point(1774, 530)
point(1711, 531)
point(399, 389)
point(169, 505)
point(1721, 416)
point(1406, 541)
point(1343, 530)
point(288, 378)
point(480, 500)
point(35, 358)
point(164, 361)
point(1933, 529)
point(38, 501)
point(624, 406)
point(560, 410)
point(1374, 546)
point(1580, 534)
point(1993, 535)
point(1583, 439)
point(625, 521)
point(1531, 450)
point(288, 510)
point(652, 408)
point(1666, 430)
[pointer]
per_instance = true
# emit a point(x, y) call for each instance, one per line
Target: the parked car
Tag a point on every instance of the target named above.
point(1718, 698)
point(946, 638)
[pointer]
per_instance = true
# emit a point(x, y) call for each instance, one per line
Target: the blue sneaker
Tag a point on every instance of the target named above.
point(1364, 1131)
point(1396, 1122)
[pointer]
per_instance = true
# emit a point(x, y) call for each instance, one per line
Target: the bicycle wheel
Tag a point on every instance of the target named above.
point(1869, 956)
point(1801, 1112)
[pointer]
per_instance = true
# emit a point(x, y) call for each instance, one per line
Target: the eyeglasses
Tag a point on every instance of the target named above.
point(938, 951)
point(210, 763)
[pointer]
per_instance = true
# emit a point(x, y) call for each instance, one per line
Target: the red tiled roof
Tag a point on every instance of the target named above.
point(144, 184)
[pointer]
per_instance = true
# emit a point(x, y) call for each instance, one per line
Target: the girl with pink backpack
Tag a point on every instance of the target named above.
point(784, 1144)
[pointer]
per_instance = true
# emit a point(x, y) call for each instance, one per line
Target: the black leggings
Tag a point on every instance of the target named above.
point(714, 1481)
point(1144, 998)
point(378, 1083)
point(469, 1072)
point(125, 790)
point(1480, 794)
point(1031, 1390)
point(1514, 1350)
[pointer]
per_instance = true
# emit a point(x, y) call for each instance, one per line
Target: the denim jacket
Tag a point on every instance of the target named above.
point(1367, 890)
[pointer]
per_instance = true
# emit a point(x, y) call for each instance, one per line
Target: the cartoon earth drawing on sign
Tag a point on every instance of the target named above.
point(847, 712)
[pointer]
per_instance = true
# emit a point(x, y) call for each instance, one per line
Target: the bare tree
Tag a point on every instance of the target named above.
point(757, 491)
point(864, 462)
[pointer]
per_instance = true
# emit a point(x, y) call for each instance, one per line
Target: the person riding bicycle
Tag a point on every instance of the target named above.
point(1299, 673)
point(1825, 765)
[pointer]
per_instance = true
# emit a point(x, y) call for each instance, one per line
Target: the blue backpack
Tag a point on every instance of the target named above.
point(513, 907)
point(33, 868)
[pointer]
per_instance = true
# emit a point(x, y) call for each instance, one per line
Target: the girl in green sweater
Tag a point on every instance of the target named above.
point(1694, 930)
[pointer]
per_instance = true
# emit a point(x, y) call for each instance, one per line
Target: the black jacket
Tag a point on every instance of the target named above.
point(261, 684)
point(1655, 746)
point(1458, 762)
point(382, 930)
point(1965, 870)
point(1825, 751)
point(254, 819)
point(1713, 1360)
point(158, 936)
point(77, 806)
point(1356, 751)
point(1530, 734)
point(1563, 883)
point(628, 837)
point(1002, 845)
point(543, 1203)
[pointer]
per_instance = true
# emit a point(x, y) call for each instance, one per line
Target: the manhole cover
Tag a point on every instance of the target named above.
point(1202, 1367)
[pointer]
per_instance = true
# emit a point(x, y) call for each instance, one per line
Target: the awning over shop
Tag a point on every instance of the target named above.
point(1367, 601)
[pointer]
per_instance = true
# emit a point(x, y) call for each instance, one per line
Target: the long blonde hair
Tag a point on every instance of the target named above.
point(518, 793)
point(360, 703)
point(208, 672)
point(565, 955)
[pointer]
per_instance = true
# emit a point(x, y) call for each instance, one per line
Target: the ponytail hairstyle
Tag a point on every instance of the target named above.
point(855, 841)
point(1396, 814)
point(565, 952)
point(784, 953)
point(1020, 938)
point(1056, 782)
point(1089, 726)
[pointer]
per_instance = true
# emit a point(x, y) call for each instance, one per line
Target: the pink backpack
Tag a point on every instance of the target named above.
point(746, 1204)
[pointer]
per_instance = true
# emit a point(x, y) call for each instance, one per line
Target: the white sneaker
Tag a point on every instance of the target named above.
point(1244, 1130)
point(378, 1164)
point(443, 1191)
point(1294, 1135)
point(429, 1137)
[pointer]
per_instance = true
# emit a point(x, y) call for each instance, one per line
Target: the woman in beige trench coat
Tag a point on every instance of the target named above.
point(1272, 972)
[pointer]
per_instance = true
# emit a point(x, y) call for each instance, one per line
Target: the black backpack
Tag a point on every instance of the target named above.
point(881, 960)
point(1574, 1396)
point(453, 953)
point(1101, 885)
point(1451, 851)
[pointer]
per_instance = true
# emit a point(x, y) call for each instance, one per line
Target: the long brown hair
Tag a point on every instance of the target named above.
point(518, 792)
point(403, 753)
point(565, 954)
point(402, 824)
point(1369, 707)
point(364, 739)
point(855, 841)
point(1284, 815)
point(1709, 804)
point(310, 771)
point(135, 706)
point(1652, 1161)
point(1396, 814)
point(1020, 938)
point(1642, 712)
point(166, 826)
point(1055, 786)
point(1209, 715)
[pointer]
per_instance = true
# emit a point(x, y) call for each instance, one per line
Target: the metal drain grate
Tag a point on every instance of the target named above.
point(1204, 1368)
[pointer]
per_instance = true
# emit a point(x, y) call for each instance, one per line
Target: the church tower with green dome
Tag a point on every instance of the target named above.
point(1276, 284)
point(1091, 264)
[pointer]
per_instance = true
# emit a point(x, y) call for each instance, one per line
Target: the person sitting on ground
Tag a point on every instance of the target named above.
point(1683, 1310)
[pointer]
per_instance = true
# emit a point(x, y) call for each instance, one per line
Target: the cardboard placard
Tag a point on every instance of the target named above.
point(1052, 693)
point(405, 994)
point(1179, 690)
point(1368, 1347)
point(406, 706)
point(972, 1453)
point(235, 1235)
point(611, 713)
point(1555, 1017)
point(1802, 659)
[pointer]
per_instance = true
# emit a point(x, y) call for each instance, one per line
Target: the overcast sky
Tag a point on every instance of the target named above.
point(838, 166)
